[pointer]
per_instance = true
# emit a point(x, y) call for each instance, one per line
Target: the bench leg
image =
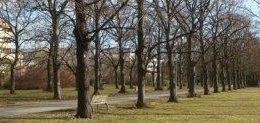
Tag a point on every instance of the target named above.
point(92, 109)
point(107, 106)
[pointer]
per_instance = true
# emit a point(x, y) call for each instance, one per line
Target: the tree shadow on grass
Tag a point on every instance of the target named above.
point(35, 118)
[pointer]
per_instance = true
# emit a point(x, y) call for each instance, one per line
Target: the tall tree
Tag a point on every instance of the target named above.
point(82, 41)
point(203, 9)
point(55, 10)
point(20, 17)
point(139, 53)
point(166, 24)
point(187, 17)
point(97, 17)
point(158, 66)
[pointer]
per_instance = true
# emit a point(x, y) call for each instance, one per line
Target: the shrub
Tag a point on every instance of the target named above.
point(36, 78)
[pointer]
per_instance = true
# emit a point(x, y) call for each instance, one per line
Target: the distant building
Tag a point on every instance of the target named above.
point(6, 50)
point(5, 41)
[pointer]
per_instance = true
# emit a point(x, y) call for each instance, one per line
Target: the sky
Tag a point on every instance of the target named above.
point(252, 5)
point(255, 8)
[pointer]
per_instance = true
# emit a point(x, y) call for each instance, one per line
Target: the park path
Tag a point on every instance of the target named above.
point(24, 109)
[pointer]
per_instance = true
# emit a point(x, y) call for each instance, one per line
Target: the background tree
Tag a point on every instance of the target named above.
point(55, 9)
point(20, 17)
point(139, 53)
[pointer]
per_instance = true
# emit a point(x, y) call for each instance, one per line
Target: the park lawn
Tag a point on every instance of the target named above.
point(38, 96)
point(240, 106)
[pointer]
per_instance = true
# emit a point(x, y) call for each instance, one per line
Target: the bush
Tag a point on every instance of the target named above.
point(36, 78)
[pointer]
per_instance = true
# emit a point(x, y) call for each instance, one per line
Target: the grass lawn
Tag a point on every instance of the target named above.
point(25, 96)
point(240, 106)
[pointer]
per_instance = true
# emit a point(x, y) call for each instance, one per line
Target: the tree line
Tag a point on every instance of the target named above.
point(206, 41)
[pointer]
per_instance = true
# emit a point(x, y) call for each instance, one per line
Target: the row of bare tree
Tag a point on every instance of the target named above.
point(199, 40)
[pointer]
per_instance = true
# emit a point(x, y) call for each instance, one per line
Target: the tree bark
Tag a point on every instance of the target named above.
point(55, 61)
point(173, 88)
point(179, 75)
point(131, 78)
point(158, 69)
point(97, 54)
point(13, 66)
point(83, 106)
point(244, 80)
point(234, 76)
point(116, 78)
point(96, 68)
point(139, 54)
point(214, 68)
point(238, 79)
point(203, 52)
point(179, 69)
point(204, 76)
point(169, 48)
point(226, 67)
point(190, 68)
point(228, 77)
point(153, 75)
point(121, 66)
point(221, 77)
point(12, 80)
point(49, 70)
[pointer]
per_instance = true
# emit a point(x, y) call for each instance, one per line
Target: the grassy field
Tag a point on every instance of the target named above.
point(241, 106)
point(25, 96)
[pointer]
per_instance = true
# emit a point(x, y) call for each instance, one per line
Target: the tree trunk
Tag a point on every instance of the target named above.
point(84, 106)
point(122, 66)
point(244, 80)
point(139, 54)
point(131, 78)
point(116, 78)
point(96, 69)
point(204, 69)
point(153, 76)
point(228, 77)
point(221, 77)
point(203, 52)
point(179, 69)
point(179, 75)
point(214, 69)
point(49, 71)
point(205, 76)
point(55, 61)
point(13, 66)
point(173, 88)
point(158, 69)
point(12, 79)
point(97, 54)
point(56, 82)
point(169, 48)
point(234, 76)
point(238, 79)
point(162, 74)
point(190, 68)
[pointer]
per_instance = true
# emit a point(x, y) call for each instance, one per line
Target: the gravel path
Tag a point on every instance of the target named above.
point(24, 109)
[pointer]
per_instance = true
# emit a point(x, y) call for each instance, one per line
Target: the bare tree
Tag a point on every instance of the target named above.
point(55, 10)
point(84, 107)
point(166, 25)
point(20, 17)
point(139, 53)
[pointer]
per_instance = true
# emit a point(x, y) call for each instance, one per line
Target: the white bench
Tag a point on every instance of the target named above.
point(98, 100)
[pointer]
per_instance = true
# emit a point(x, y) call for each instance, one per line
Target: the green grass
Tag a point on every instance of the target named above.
point(241, 106)
point(25, 96)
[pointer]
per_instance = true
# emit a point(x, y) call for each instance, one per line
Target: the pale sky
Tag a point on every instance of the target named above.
point(255, 8)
